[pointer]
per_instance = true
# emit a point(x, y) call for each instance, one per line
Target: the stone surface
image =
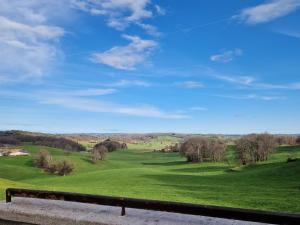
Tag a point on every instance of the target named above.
point(52, 212)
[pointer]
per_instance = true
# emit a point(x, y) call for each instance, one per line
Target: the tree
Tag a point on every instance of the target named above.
point(64, 167)
point(254, 148)
point(98, 153)
point(199, 149)
point(112, 145)
point(43, 159)
point(298, 140)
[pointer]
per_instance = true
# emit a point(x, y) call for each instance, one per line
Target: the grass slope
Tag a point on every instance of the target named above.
point(140, 173)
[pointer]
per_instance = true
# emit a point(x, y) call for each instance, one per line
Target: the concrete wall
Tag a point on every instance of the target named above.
point(50, 212)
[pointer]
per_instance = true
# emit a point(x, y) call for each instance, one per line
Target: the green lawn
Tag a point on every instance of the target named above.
point(141, 173)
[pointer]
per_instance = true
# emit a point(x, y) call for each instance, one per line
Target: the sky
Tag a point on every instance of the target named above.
point(111, 66)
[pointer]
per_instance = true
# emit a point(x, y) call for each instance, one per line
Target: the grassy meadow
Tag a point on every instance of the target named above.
point(139, 172)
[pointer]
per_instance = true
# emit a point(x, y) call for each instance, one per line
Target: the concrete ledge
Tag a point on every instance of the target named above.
point(52, 212)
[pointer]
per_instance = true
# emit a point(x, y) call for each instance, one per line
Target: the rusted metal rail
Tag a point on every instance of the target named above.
point(174, 207)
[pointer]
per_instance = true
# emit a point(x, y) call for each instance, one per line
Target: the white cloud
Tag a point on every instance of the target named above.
point(126, 57)
point(90, 92)
point(242, 80)
point(191, 84)
point(105, 107)
point(129, 83)
point(119, 13)
point(268, 11)
point(160, 10)
point(79, 100)
point(150, 29)
point(28, 40)
point(198, 108)
point(288, 32)
point(289, 86)
point(252, 96)
point(226, 56)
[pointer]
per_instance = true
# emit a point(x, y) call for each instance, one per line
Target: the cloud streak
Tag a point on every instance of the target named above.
point(268, 11)
point(226, 56)
point(79, 100)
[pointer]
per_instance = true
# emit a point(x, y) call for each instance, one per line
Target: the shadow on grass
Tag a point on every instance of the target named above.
point(201, 169)
point(174, 163)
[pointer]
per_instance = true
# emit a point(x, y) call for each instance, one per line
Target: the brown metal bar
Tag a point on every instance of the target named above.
point(184, 208)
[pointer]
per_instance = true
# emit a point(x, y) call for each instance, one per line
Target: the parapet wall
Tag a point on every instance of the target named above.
point(52, 212)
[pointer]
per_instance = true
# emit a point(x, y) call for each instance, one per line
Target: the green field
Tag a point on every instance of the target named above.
point(140, 173)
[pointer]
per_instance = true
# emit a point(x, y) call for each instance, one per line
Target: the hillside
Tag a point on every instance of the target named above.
point(140, 173)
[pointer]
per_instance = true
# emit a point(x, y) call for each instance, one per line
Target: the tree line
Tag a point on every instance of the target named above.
point(16, 138)
point(250, 148)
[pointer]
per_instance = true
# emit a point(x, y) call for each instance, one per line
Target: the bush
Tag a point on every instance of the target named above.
point(199, 149)
point(254, 148)
point(64, 167)
point(43, 159)
point(98, 153)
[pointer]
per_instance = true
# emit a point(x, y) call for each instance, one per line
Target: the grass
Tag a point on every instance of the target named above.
point(140, 173)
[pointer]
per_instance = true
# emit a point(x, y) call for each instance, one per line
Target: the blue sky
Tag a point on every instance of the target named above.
point(150, 66)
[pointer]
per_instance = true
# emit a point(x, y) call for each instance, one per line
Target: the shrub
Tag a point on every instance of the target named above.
point(64, 167)
point(199, 149)
point(98, 153)
point(254, 148)
point(43, 159)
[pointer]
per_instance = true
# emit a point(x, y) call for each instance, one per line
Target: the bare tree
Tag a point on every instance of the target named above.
point(199, 149)
point(64, 167)
point(98, 153)
point(43, 159)
point(254, 148)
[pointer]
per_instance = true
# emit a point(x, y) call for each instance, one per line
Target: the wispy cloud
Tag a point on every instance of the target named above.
point(268, 11)
point(198, 108)
point(126, 57)
point(89, 92)
point(289, 32)
point(121, 13)
point(79, 100)
point(190, 84)
point(226, 56)
point(252, 96)
point(28, 41)
point(129, 83)
point(241, 80)
point(108, 107)
point(289, 86)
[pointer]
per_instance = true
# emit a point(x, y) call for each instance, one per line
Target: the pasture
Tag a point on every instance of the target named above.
point(140, 173)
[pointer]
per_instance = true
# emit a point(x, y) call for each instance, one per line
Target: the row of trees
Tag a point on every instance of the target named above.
point(15, 138)
point(199, 149)
point(249, 149)
point(44, 160)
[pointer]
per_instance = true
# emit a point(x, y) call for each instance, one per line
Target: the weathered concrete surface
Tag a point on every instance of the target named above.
point(50, 212)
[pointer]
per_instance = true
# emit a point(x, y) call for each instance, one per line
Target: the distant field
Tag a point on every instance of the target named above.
point(140, 173)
